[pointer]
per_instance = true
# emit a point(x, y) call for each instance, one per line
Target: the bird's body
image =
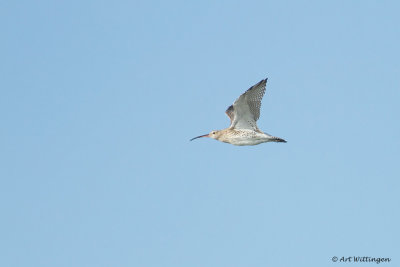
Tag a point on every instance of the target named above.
point(244, 113)
point(244, 137)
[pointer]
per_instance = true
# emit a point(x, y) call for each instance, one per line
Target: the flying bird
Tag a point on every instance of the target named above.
point(244, 114)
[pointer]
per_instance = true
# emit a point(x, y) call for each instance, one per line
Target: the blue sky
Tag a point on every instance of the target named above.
point(99, 100)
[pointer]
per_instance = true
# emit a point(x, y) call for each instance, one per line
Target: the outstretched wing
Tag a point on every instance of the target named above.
point(245, 111)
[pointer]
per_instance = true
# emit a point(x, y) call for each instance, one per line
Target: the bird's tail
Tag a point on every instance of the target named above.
point(277, 139)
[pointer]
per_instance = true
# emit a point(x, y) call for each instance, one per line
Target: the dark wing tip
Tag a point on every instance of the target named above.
point(229, 112)
point(264, 82)
point(229, 109)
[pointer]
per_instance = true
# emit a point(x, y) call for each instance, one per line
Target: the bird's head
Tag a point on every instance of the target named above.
point(213, 134)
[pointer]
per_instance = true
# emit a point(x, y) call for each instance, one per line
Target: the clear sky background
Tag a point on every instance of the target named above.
point(100, 98)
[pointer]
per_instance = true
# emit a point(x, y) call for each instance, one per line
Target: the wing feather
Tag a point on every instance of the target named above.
point(245, 111)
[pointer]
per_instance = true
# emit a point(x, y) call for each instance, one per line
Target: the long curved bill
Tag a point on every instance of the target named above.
point(205, 135)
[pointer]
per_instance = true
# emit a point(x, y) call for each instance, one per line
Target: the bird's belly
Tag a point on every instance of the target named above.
point(247, 140)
